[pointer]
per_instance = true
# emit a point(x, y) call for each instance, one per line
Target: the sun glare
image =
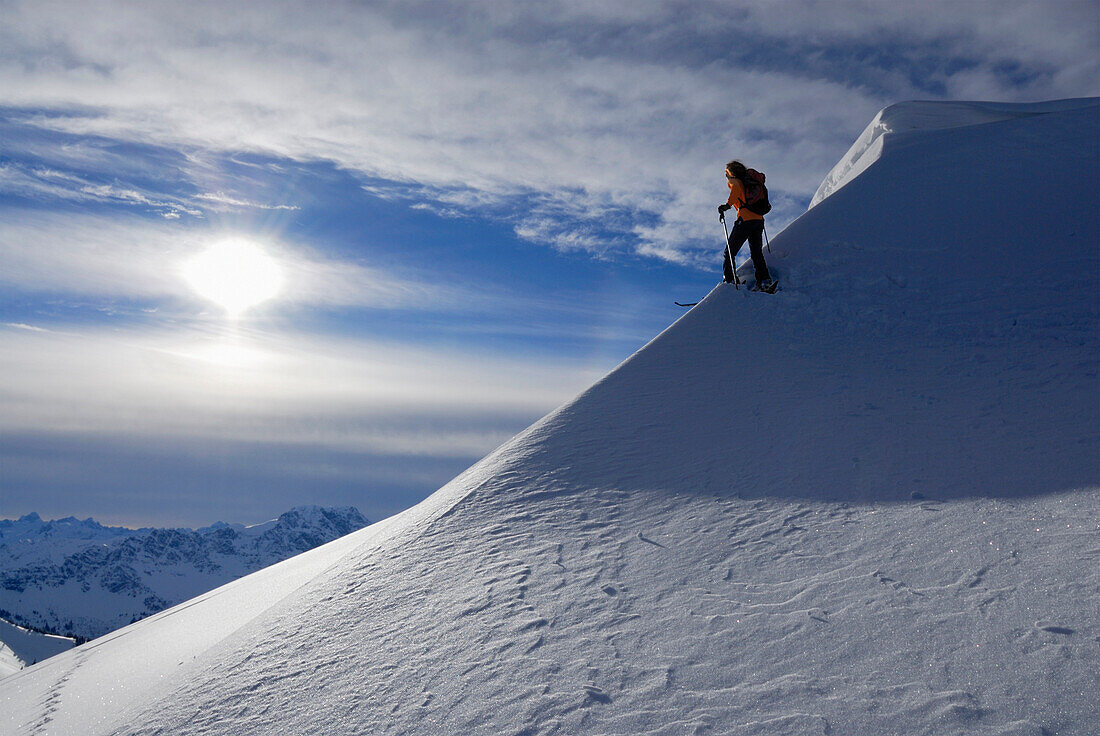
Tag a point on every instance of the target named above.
point(235, 274)
point(228, 353)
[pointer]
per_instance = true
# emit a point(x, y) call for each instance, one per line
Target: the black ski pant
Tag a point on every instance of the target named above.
point(753, 231)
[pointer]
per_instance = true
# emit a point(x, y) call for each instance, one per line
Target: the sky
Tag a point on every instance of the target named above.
point(256, 255)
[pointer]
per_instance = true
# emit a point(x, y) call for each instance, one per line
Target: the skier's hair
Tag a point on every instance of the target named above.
point(737, 169)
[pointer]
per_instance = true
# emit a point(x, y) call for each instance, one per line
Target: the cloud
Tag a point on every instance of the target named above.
point(140, 259)
point(224, 200)
point(24, 326)
point(45, 182)
point(132, 196)
point(595, 107)
point(275, 389)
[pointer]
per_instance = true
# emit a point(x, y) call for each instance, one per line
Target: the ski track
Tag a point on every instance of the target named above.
point(52, 700)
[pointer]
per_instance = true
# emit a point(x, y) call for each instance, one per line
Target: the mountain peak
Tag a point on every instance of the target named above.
point(925, 115)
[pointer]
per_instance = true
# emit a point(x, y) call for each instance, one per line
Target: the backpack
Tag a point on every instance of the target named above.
point(756, 194)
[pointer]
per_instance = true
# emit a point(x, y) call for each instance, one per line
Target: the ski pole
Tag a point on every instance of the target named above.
point(766, 241)
point(733, 264)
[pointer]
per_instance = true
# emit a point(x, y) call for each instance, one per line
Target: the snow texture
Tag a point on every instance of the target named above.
point(867, 504)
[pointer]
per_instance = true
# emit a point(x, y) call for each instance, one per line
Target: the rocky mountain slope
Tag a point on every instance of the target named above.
point(84, 579)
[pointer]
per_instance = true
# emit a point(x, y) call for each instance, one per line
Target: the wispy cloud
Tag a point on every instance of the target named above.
point(132, 196)
point(172, 426)
point(224, 200)
point(142, 259)
point(353, 396)
point(43, 183)
point(597, 106)
point(24, 326)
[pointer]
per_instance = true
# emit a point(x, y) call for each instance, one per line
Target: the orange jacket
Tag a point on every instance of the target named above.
point(737, 199)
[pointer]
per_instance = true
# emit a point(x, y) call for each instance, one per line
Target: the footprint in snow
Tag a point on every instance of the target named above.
point(597, 694)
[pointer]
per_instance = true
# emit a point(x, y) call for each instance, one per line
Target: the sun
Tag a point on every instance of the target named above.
point(236, 274)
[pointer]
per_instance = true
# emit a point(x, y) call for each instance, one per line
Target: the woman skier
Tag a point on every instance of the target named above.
point(750, 197)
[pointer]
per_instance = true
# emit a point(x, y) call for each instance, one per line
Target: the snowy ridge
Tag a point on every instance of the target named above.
point(865, 505)
point(20, 647)
point(917, 116)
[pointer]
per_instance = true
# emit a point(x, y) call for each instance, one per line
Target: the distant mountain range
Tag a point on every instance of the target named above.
point(83, 579)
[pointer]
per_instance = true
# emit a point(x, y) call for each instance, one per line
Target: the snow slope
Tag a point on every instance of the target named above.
point(20, 647)
point(891, 125)
point(868, 504)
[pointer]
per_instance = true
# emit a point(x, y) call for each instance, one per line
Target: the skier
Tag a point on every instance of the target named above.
point(747, 195)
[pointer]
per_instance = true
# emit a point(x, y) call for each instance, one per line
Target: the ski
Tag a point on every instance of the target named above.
point(772, 288)
point(769, 289)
